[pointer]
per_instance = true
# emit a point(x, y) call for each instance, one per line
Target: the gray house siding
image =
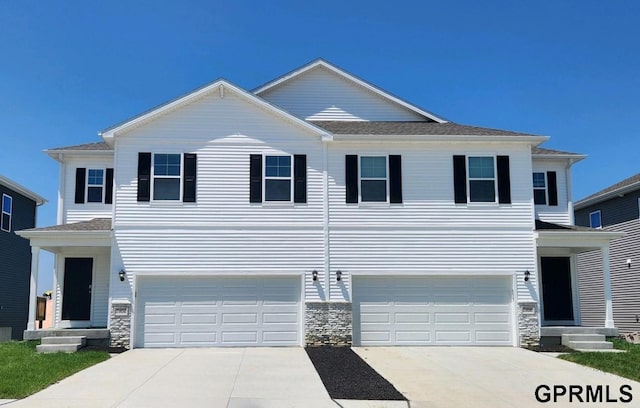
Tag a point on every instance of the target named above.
point(618, 214)
point(613, 211)
point(15, 265)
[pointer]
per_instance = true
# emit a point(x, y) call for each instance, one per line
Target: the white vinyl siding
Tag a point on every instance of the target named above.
point(72, 212)
point(218, 311)
point(429, 234)
point(440, 310)
point(320, 94)
point(549, 213)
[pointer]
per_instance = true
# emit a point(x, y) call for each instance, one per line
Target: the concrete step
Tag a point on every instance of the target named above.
point(590, 345)
point(82, 340)
point(55, 348)
point(567, 338)
point(560, 330)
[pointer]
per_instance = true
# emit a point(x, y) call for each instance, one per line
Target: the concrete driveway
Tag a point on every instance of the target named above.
point(494, 377)
point(209, 377)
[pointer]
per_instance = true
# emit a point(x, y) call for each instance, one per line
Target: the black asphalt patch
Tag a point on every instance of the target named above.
point(346, 376)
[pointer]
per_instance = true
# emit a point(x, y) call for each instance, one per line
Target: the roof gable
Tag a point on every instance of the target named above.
point(219, 87)
point(322, 91)
point(623, 187)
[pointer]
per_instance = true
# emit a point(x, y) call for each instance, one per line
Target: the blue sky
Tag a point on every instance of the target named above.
point(565, 69)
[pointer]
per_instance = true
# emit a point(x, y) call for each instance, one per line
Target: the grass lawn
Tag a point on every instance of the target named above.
point(24, 372)
point(623, 364)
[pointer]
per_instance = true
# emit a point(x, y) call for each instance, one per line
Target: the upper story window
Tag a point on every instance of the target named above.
point(545, 188)
point(373, 178)
point(539, 188)
point(167, 170)
point(7, 212)
point(595, 219)
point(277, 178)
point(94, 185)
point(167, 177)
point(482, 180)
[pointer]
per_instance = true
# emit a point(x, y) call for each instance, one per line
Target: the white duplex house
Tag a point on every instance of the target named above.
point(315, 209)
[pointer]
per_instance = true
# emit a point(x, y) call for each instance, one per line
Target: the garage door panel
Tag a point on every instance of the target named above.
point(438, 310)
point(410, 337)
point(412, 318)
point(211, 311)
point(450, 336)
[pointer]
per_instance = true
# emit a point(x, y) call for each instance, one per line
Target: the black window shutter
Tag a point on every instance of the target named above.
point(395, 179)
point(300, 178)
point(81, 178)
point(108, 187)
point(552, 187)
point(144, 176)
point(351, 178)
point(255, 178)
point(504, 180)
point(190, 170)
point(460, 179)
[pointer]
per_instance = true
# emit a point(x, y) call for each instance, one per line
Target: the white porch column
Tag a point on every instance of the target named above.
point(606, 272)
point(33, 287)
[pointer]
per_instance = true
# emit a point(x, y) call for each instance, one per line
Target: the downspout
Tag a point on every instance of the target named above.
point(567, 171)
point(61, 189)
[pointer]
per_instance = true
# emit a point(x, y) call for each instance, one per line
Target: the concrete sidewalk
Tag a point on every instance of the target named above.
point(208, 377)
point(489, 377)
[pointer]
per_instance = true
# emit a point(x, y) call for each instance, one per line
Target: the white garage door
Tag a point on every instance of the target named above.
point(432, 311)
point(199, 312)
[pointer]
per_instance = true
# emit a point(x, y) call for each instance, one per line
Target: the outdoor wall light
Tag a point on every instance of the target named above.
point(338, 275)
point(629, 263)
point(122, 274)
point(526, 275)
point(314, 275)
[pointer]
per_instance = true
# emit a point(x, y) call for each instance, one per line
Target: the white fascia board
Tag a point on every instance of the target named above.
point(531, 140)
point(220, 86)
point(575, 239)
point(338, 71)
point(58, 155)
point(67, 238)
point(22, 190)
point(609, 194)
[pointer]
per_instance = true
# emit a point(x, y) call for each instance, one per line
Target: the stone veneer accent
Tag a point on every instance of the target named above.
point(328, 323)
point(528, 324)
point(120, 326)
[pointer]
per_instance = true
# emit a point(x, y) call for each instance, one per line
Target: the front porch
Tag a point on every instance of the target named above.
point(559, 277)
point(80, 281)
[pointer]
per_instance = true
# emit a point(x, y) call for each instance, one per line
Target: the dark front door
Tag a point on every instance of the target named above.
point(76, 298)
point(557, 295)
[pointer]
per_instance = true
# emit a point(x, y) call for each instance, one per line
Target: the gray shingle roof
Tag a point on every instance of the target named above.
point(96, 224)
point(86, 146)
point(628, 182)
point(542, 150)
point(546, 226)
point(411, 128)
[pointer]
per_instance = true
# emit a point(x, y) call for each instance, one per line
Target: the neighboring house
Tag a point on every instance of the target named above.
point(616, 208)
point(18, 207)
point(315, 209)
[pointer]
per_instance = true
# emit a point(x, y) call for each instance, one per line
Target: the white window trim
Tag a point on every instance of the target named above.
point(9, 213)
point(599, 217)
point(495, 180)
point(86, 187)
point(179, 177)
point(386, 163)
point(545, 188)
point(265, 177)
